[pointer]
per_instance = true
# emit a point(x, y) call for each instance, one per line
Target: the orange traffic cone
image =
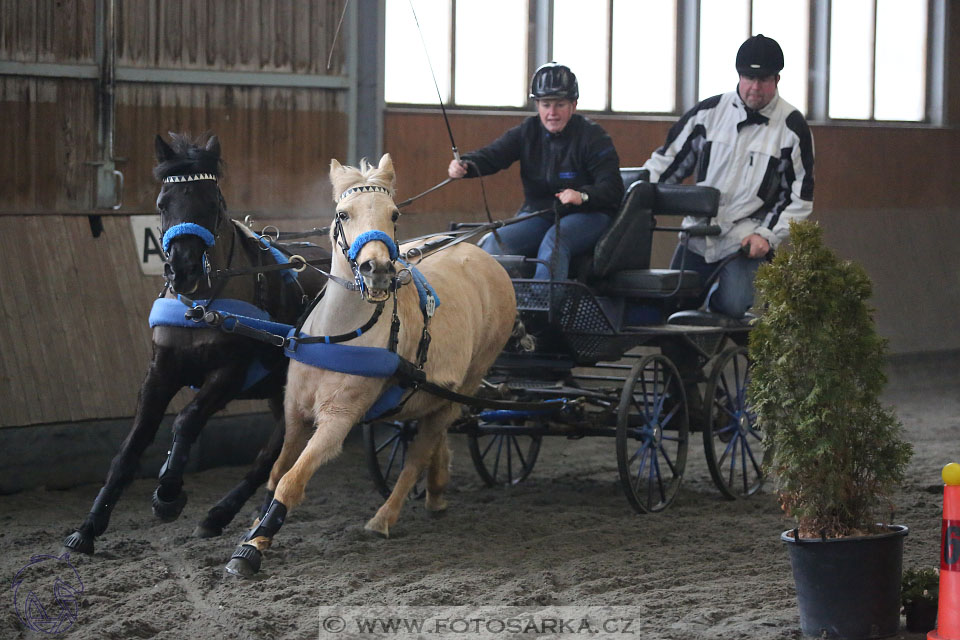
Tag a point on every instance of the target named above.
point(948, 609)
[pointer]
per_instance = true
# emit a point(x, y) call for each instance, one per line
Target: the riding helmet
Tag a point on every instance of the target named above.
point(759, 57)
point(553, 80)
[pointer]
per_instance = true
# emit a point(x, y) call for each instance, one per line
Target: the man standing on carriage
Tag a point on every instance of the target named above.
point(569, 168)
point(757, 149)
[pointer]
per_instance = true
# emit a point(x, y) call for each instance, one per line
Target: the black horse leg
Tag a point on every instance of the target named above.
point(155, 394)
point(220, 387)
point(224, 511)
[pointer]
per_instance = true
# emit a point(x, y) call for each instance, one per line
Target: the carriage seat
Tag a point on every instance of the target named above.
point(620, 264)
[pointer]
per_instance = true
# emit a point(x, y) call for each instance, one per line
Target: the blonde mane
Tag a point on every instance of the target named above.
point(345, 177)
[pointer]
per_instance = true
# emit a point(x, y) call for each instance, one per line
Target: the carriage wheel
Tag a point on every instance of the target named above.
point(653, 434)
point(731, 441)
point(502, 459)
point(386, 448)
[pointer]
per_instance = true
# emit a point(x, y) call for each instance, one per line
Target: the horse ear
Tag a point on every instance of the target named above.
point(163, 150)
point(386, 169)
point(213, 145)
point(335, 168)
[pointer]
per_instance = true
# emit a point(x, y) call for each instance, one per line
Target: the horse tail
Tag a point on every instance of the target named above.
point(520, 340)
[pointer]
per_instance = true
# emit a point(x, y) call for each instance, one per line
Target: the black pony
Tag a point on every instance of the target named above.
point(199, 241)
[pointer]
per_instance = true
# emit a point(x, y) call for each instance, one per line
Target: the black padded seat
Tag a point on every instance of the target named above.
point(697, 318)
point(650, 283)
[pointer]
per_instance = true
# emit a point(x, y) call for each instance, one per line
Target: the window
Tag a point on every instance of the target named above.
point(490, 52)
point(878, 59)
point(844, 59)
point(644, 56)
point(725, 24)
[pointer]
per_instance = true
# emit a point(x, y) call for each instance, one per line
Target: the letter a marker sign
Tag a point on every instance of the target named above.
point(146, 241)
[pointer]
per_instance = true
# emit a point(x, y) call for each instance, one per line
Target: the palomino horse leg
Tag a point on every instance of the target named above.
point(422, 449)
point(222, 513)
point(156, 393)
point(438, 475)
point(218, 389)
point(324, 445)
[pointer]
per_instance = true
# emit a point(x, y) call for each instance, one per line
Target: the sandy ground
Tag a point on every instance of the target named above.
point(705, 568)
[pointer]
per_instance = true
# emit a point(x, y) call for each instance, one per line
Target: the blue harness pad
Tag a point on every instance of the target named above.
point(167, 312)
point(187, 228)
point(387, 400)
point(370, 236)
point(423, 287)
point(372, 362)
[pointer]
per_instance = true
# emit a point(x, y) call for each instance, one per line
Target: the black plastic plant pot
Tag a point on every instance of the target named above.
point(921, 615)
point(848, 587)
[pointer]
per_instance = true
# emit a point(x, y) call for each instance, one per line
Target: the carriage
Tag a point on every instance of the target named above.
point(604, 365)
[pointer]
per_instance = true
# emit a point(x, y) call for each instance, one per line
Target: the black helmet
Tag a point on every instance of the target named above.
point(759, 57)
point(554, 80)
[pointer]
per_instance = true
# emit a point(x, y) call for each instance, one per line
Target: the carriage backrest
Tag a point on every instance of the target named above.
point(629, 175)
point(627, 244)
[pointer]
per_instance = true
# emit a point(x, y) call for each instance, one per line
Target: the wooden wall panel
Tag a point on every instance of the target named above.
point(47, 31)
point(277, 143)
point(49, 126)
point(236, 35)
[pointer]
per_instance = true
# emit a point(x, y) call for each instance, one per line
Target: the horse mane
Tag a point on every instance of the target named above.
point(191, 157)
point(348, 177)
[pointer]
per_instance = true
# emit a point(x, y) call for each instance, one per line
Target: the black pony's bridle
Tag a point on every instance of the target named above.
point(208, 236)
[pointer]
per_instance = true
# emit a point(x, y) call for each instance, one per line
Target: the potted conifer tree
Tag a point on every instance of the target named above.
point(835, 452)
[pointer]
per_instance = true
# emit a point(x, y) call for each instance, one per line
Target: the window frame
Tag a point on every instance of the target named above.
point(540, 49)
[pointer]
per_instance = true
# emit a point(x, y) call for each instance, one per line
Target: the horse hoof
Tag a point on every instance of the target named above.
point(207, 531)
point(168, 511)
point(436, 506)
point(381, 531)
point(79, 542)
point(245, 561)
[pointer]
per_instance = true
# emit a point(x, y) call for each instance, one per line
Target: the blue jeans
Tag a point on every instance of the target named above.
point(537, 237)
point(732, 294)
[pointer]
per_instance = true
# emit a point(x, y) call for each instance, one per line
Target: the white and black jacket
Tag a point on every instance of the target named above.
point(762, 163)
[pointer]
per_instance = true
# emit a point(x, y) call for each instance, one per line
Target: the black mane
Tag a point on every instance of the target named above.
point(191, 157)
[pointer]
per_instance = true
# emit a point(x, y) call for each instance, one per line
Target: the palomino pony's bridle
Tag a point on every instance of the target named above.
point(352, 250)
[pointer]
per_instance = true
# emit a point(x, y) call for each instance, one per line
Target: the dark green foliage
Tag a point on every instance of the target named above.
point(919, 584)
point(816, 379)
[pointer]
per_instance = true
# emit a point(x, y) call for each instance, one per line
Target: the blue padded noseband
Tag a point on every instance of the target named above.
point(187, 228)
point(370, 236)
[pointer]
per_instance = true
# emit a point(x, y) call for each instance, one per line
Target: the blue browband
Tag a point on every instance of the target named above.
point(370, 236)
point(187, 228)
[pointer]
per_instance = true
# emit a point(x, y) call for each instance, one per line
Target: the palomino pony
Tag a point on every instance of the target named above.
point(200, 238)
point(473, 319)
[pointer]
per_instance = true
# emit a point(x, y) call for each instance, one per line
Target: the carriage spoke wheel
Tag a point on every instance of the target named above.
point(653, 434)
point(503, 459)
point(732, 443)
point(386, 445)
